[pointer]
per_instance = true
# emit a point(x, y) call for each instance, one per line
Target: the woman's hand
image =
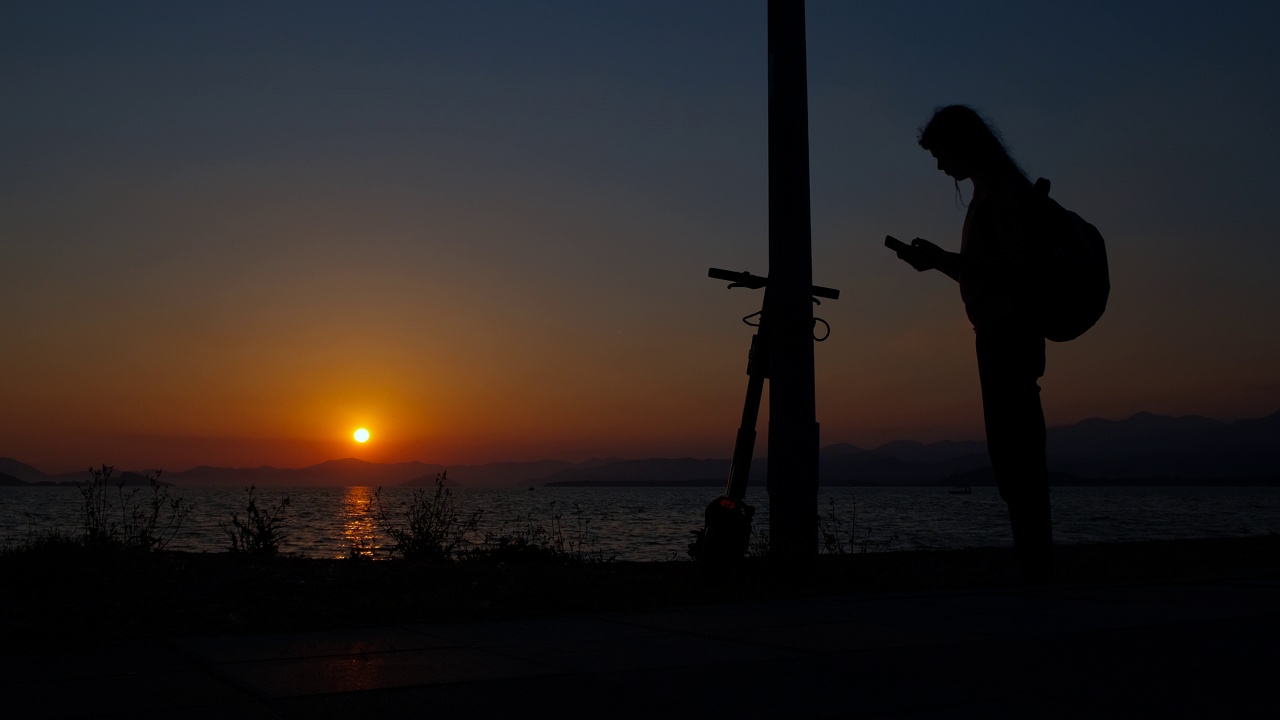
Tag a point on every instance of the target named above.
point(923, 255)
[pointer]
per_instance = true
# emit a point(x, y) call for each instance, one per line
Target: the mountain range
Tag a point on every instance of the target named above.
point(1143, 449)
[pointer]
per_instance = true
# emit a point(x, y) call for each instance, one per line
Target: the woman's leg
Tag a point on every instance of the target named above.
point(1009, 365)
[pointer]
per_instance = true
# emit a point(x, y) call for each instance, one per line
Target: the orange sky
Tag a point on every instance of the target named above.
point(233, 240)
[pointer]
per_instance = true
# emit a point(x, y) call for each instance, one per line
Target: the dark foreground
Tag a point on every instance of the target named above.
point(83, 601)
point(1149, 630)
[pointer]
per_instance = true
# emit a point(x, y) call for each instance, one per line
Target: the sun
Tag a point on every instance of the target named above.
point(361, 435)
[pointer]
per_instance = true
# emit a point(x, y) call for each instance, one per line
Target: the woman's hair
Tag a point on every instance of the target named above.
point(960, 130)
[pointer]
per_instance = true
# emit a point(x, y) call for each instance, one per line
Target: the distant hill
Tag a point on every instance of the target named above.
point(1142, 449)
point(499, 474)
point(984, 476)
point(947, 450)
point(31, 476)
point(35, 478)
point(1147, 445)
point(624, 472)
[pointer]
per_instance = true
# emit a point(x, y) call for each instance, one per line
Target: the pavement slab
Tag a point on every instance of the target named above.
point(641, 653)
point(533, 631)
point(375, 671)
point(322, 643)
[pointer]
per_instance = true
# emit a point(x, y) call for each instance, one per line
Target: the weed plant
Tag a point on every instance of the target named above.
point(99, 526)
point(259, 533)
point(759, 544)
point(146, 524)
point(119, 520)
point(150, 524)
point(428, 527)
point(840, 537)
point(831, 527)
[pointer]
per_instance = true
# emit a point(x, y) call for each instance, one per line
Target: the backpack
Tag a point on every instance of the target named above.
point(1076, 281)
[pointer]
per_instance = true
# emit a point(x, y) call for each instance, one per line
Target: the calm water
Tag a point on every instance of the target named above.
point(655, 523)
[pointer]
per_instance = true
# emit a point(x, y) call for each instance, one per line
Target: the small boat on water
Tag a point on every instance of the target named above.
point(961, 490)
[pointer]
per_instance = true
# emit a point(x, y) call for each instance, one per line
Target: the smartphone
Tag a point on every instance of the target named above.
point(895, 244)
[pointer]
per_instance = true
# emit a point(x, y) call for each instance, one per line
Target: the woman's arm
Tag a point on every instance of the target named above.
point(949, 265)
point(924, 255)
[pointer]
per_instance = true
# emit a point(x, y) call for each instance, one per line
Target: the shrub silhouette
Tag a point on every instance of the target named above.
point(129, 522)
point(259, 533)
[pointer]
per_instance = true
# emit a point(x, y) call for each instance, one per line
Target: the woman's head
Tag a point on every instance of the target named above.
point(965, 145)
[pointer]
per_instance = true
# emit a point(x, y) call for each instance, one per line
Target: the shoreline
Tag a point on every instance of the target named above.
point(1057, 480)
point(78, 601)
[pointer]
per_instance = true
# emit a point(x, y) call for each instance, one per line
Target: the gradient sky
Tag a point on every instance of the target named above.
point(231, 233)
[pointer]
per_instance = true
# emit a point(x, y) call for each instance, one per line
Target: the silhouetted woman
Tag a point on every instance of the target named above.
point(997, 271)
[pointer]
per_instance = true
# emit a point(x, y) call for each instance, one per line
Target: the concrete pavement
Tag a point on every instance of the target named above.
point(1158, 651)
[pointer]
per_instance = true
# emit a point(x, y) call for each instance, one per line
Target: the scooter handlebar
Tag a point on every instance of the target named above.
point(739, 279)
point(755, 282)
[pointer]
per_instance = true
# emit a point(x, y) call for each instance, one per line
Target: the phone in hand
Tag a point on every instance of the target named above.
point(895, 244)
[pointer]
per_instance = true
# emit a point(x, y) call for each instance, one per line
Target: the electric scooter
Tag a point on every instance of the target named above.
point(726, 530)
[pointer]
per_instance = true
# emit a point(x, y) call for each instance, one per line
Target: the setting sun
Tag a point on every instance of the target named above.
point(362, 435)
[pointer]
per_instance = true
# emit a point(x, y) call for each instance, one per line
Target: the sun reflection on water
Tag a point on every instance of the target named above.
point(359, 532)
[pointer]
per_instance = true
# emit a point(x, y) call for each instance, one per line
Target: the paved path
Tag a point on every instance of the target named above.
point(1202, 651)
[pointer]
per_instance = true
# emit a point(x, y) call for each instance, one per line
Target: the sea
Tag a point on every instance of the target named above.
point(657, 523)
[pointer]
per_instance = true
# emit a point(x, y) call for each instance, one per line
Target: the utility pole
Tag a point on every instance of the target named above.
point(793, 424)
